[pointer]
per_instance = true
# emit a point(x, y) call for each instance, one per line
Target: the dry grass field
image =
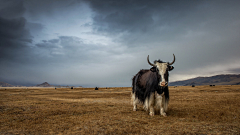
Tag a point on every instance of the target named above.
point(192, 110)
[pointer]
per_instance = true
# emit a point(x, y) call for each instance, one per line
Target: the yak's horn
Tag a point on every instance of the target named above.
point(173, 60)
point(150, 62)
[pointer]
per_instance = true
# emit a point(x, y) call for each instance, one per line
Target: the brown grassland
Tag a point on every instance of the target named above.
point(192, 110)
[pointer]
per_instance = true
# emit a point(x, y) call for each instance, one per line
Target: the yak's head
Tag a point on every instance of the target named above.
point(162, 69)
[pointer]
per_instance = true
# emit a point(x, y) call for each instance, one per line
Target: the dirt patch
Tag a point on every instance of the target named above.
point(192, 110)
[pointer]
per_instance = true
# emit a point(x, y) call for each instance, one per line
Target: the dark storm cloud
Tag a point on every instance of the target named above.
point(14, 38)
point(36, 9)
point(64, 48)
point(11, 9)
point(34, 27)
point(144, 22)
point(15, 42)
point(52, 43)
point(53, 40)
point(207, 31)
point(47, 44)
point(13, 29)
point(70, 40)
point(71, 48)
point(137, 16)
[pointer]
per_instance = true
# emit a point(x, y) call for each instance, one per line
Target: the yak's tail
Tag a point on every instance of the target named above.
point(134, 98)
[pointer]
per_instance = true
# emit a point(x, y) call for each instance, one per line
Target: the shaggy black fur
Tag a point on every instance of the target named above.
point(159, 61)
point(146, 82)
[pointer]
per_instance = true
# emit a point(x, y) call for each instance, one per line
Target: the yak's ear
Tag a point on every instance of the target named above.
point(170, 68)
point(153, 69)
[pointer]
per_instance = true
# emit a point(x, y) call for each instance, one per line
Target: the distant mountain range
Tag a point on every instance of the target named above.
point(45, 84)
point(229, 79)
point(3, 84)
point(213, 80)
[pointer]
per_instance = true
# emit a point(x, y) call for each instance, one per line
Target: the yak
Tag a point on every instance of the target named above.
point(150, 87)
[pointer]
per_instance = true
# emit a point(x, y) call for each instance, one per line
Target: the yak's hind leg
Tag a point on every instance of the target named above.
point(159, 103)
point(134, 101)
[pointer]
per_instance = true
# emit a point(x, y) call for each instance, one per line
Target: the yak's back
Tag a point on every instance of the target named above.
point(137, 78)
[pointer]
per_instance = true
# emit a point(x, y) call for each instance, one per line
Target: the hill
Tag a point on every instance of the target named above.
point(45, 84)
point(213, 80)
point(3, 84)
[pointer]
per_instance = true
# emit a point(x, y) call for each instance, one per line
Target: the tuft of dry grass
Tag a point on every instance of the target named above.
point(192, 110)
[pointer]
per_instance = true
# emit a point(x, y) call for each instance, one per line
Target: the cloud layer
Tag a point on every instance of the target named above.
point(105, 43)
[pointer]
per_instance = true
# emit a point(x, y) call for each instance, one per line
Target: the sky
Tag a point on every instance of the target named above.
point(105, 43)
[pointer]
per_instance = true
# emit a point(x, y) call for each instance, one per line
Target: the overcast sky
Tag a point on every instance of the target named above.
point(106, 42)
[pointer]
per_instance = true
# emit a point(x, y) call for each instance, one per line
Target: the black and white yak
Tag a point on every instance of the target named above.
point(150, 87)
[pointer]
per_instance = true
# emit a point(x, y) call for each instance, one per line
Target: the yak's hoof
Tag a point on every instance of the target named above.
point(164, 114)
point(151, 113)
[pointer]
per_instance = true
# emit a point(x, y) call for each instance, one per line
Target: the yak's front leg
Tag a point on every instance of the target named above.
point(151, 104)
point(162, 111)
point(159, 103)
point(134, 107)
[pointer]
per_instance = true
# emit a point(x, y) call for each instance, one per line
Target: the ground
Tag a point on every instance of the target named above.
point(192, 110)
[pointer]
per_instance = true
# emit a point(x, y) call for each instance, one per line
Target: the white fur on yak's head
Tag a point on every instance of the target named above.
point(162, 68)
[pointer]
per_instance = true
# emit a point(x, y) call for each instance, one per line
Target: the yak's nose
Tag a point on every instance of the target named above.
point(163, 84)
